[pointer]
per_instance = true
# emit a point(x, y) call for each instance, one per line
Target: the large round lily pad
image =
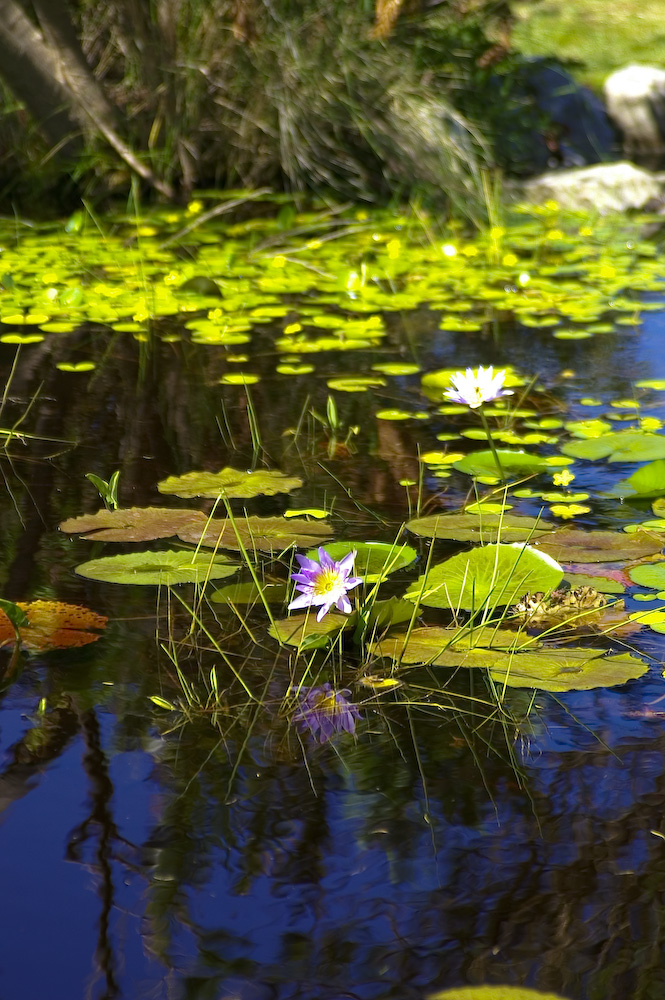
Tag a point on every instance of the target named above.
point(158, 568)
point(487, 526)
point(649, 575)
point(493, 575)
point(229, 483)
point(135, 524)
point(265, 534)
point(649, 481)
point(249, 594)
point(623, 446)
point(304, 630)
point(374, 560)
point(513, 463)
point(451, 647)
point(566, 669)
point(573, 546)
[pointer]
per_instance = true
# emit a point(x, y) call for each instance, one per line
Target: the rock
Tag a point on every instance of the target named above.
point(635, 98)
point(604, 188)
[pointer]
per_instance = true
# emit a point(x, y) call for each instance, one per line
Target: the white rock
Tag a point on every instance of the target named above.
point(635, 99)
point(603, 188)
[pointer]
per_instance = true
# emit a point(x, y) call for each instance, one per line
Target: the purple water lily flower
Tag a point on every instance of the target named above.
point(325, 711)
point(475, 388)
point(324, 583)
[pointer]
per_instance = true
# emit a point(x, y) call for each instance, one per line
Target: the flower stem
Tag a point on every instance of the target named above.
point(495, 454)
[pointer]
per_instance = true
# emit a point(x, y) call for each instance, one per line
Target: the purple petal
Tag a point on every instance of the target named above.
point(326, 561)
point(344, 604)
point(346, 564)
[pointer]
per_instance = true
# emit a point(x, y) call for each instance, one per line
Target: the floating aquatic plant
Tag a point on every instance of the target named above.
point(475, 388)
point(324, 583)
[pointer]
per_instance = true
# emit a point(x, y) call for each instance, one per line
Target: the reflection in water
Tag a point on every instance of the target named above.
point(244, 859)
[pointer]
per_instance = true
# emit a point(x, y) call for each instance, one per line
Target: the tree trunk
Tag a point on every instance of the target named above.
point(30, 68)
point(47, 71)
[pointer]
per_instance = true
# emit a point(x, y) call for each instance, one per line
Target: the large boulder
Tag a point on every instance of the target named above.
point(604, 188)
point(635, 98)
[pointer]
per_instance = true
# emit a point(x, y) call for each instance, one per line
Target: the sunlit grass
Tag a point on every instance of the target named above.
point(587, 32)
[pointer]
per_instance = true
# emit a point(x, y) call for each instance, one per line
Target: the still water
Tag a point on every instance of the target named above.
point(145, 856)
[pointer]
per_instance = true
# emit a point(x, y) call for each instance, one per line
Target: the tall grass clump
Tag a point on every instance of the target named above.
point(360, 99)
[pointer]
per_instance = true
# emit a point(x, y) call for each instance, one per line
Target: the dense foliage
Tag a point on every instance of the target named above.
point(368, 100)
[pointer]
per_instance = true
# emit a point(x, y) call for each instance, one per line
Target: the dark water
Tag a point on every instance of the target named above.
point(216, 862)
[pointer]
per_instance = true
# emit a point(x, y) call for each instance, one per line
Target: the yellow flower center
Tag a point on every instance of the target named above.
point(326, 580)
point(326, 702)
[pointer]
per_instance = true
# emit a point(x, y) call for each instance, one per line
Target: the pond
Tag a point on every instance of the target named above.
point(488, 807)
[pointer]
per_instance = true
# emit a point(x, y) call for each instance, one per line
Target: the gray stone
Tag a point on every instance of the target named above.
point(604, 188)
point(635, 99)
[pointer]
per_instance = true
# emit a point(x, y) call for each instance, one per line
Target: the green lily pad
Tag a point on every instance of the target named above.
point(513, 463)
point(134, 524)
point(493, 575)
point(588, 428)
point(624, 446)
point(649, 575)
point(248, 593)
point(265, 534)
point(157, 568)
point(566, 669)
point(450, 647)
point(229, 483)
point(603, 584)
point(486, 526)
point(649, 481)
point(361, 383)
point(384, 614)
point(572, 546)
point(374, 560)
point(305, 631)
point(654, 525)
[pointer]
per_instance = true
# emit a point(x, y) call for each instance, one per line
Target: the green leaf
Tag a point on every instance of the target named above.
point(229, 483)
point(16, 614)
point(649, 481)
point(624, 446)
point(588, 428)
point(649, 575)
point(513, 463)
point(572, 546)
point(304, 630)
point(374, 560)
point(451, 647)
point(603, 584)
point(158, 568)
point(486, 526)
point(394, 611)
point(248, 593)
point(566, 669)
point(162, 703)
point(491, 576)
point(264, 534)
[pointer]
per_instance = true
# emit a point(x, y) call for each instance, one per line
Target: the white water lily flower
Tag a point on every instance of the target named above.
point(475, 388)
